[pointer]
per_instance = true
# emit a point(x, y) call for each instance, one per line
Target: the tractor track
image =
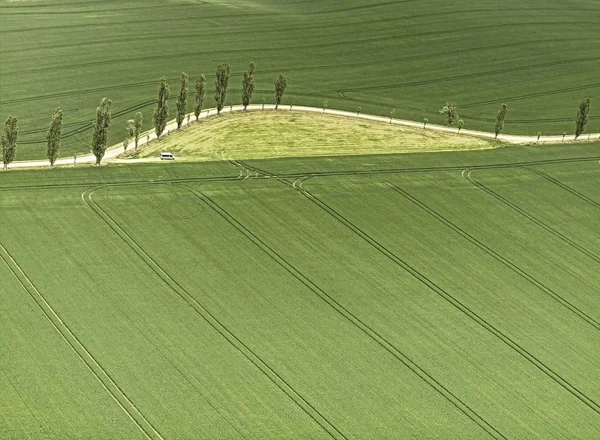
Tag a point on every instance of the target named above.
point(93, 365)
point(463, 308)
point(506, 262)
point(340, 309)
point(564, 186)
point(212, 320)
point(171, 358)
point(467, 175)
point(261, 173)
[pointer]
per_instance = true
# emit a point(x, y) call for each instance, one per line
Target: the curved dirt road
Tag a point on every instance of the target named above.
point(114, 151)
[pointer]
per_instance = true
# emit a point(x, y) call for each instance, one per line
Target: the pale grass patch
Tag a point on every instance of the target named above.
point(270, 134)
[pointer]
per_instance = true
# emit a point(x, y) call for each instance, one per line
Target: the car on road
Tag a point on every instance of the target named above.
point(166, 156)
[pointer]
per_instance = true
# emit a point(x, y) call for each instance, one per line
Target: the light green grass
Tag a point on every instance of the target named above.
point(260, 135)
point(536, 55)
point(395, 296)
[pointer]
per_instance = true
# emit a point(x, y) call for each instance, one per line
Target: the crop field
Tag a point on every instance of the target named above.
point(538, 56)
point(443, 295)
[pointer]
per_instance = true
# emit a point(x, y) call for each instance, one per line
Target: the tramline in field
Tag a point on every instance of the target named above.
point(360, 297)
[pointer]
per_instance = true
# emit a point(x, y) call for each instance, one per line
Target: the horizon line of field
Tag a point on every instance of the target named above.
point(561, 381)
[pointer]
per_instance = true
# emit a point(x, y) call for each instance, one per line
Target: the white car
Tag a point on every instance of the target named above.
point(166, 156)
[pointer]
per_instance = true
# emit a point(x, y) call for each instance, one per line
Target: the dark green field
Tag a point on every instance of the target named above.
point(443, 295)
point(538, 56)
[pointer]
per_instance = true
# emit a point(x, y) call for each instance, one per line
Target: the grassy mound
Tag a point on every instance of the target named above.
point(258, 135)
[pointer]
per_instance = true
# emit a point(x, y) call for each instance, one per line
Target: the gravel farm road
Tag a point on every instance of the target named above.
point(113, 152)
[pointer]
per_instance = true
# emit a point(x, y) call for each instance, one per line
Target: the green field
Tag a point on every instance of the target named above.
point(443, 295)
point(538, 56)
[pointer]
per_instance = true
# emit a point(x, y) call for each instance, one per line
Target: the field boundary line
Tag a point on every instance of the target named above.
point(365, 328)
point(80, 350)
point(531, 218)
point(505, 261)
point(590, 403)
point(212, 320)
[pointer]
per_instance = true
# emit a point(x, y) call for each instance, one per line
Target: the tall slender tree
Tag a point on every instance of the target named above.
point(9, 141)
point(200, 93)
point(280, 87)
point(221, 84)
point(130, 128)
point(500, 120)
point(101, 124)
point(182, 100)
point(138, 122)
point(248, 86)
point(54, 135)
point(582, 116)
point(161, 112)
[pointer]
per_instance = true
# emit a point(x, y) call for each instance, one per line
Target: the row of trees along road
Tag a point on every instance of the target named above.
point(450, 111)
point(161, 112)
point(8, 140)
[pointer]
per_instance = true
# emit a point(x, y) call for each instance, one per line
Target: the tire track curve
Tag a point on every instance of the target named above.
point(463, 308)
point(356, 321)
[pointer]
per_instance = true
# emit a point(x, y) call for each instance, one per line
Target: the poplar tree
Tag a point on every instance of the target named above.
point(221, 83)
point(161, 112)
point(130, 127)
point(248, 85)
point(460, 125)
point(280, 86)
point(9, 141)
point(500, 119)
point(54, 135)
point(200, 93)
point(582, 117)
point(138, 122)
point(101, 124)
point(182, 100)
